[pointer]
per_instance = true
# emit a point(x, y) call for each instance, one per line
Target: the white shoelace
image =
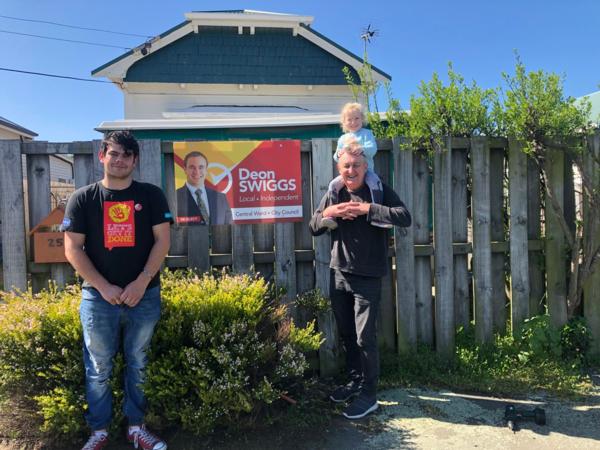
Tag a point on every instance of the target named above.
point(147, 438)
point(93, 441)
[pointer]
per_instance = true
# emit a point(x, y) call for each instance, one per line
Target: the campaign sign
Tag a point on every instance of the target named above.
point(261, 180)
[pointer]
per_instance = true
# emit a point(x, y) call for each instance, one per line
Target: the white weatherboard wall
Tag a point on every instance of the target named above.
point(151, 100)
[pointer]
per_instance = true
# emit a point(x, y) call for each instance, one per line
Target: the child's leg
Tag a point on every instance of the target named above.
point(334, 188)
point(332, 192)
point(374, 183)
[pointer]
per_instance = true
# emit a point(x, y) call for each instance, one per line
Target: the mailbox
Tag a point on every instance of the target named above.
point(48, 242)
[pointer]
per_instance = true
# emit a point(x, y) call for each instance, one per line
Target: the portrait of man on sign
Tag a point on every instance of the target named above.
point(198, 204)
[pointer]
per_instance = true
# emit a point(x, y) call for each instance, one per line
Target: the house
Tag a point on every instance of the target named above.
point(61, 167)
point(223, 75)
point(594, 100)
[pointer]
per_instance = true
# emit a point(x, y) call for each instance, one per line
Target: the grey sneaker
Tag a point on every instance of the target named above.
point(361, 406)
point(329, 222)
point(345, 392)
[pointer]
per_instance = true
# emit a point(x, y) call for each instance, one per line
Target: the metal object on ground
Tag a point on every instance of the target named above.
point(514, 415)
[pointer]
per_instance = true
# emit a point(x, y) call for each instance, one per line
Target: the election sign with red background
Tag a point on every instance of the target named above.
point(261, 179)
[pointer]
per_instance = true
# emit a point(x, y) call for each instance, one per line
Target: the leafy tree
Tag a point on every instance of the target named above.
point(456, 109)
point(537, 112)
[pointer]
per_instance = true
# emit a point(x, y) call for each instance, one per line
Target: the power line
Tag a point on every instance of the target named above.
point(66, 40)
point(55, 76)
point(75, 26)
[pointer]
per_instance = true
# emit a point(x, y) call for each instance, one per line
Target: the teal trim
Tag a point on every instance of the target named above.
point(348, 52)
point(130, 52)
point(250, 134)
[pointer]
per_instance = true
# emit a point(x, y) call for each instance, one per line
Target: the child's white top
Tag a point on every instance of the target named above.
point(364, 137)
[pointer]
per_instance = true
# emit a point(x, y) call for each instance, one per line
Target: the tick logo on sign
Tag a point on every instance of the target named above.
point(119, 224)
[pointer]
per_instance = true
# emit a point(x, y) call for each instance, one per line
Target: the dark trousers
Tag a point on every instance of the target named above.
point(355, 303)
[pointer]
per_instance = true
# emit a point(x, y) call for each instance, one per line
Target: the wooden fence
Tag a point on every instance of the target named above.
point(471, 200)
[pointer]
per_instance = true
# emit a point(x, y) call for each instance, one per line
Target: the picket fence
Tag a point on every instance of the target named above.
point(479, 248)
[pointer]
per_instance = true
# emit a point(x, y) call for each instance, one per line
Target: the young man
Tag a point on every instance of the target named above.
point(196, 203)
point(117, 236)
point(358, 261)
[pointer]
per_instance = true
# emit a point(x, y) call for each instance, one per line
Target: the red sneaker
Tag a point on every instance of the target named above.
point(96, 441)
point(145, 440)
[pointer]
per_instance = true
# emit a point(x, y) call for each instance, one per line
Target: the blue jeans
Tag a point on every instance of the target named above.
point(102, 325)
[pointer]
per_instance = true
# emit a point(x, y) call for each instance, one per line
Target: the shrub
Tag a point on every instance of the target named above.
point(223, 352)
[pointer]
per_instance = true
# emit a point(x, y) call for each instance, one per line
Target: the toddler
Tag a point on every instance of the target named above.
point(352, 118)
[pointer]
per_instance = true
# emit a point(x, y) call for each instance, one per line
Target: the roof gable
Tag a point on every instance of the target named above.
point(16, 128)
point(221, 55)
point(237, 47)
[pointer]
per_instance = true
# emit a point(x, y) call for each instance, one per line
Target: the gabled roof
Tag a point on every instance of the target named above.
point(11, 126)
point(256, 40)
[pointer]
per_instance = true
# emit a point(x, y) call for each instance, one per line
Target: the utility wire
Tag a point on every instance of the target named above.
point(74, 26)
point(56, 76)
point(66, 40)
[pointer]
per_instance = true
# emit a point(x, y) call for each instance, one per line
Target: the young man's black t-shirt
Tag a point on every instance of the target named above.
point(118, 227)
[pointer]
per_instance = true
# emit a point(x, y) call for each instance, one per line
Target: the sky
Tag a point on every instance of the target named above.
point(415, 39)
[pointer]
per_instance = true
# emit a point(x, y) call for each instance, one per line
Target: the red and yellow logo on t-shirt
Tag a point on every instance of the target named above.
point(119, 224)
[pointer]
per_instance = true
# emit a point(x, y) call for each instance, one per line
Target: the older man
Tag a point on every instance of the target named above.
point(358, 262)
point(196, 203)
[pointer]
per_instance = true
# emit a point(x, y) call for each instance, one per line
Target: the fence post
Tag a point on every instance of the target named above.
point(519, 254)
point(556, 275)
point(482, 237)
point(591, 299)
point(421, 230)
point(406, 307)
point(322, 166)
point(442, 238)
point(12, 214)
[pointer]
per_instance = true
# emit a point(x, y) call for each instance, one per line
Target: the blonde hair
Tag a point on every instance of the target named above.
point(348, 107)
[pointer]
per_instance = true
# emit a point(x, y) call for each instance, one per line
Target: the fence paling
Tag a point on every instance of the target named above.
point(556, 272)
point(406, 308)
point(537, 288)
point(322, 170)
point(591, 299)
point(285, 260)
point(497, 232)
point(12, 213)
point(38, 195)
point(420, 225)
point(519, 255)
point(460, 234)
point(305, 274)
point(443, 260)
point(482, 249)
point(386, 319)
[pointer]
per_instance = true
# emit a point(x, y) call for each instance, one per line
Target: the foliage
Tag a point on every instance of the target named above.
point(364, 90)
point(314, 301)
point(535, 108)
point(542, 358)
point(223, 354)
point(456, 109)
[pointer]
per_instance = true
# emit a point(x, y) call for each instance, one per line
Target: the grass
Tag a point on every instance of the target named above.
point(507, 367)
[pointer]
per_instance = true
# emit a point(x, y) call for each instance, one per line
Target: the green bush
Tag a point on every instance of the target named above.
point(223, 352)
